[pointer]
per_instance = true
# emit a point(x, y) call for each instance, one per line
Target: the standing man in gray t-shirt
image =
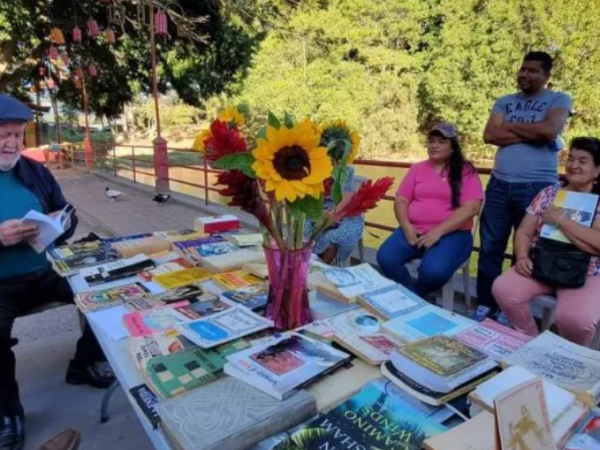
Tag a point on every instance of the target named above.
point(526, 127)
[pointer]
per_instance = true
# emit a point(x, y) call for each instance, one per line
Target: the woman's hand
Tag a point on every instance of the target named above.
point(553, 215)
point(411, 234)
point(429, 239)
point(524, 266)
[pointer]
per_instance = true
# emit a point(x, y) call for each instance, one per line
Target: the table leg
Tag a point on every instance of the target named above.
point(105, 399)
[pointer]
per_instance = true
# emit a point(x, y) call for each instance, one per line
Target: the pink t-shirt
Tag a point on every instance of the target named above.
point(430, 197)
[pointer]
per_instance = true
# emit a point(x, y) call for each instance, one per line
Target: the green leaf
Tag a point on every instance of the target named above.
point(288, 120)
point(262, 133)
point(312, 207)
point(340, 176)
point(295, 209)
point(237, 161)
point(274, 121)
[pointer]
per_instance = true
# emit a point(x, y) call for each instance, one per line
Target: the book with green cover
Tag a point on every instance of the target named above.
point(172, 374)
point(373, 419)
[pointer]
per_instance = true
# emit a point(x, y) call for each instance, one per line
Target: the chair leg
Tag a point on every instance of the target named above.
point(467, 286)
point(547, 318)
point(448, 295)
point(361, 250)
point(106, 399)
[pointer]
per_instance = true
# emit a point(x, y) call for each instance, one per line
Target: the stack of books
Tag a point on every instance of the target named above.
point(217, 255)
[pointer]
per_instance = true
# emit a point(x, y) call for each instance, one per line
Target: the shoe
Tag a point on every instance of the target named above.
point(481, 313)
point(502, 319)
point(12, 432)
point(98, 374)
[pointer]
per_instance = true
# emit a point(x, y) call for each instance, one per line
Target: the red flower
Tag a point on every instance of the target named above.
point(244, 193)
point(365, 199)
point(223, 141)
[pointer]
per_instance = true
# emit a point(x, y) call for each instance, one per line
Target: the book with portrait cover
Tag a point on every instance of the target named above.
point(373, 419)
point(144, 348)
point(283, 364)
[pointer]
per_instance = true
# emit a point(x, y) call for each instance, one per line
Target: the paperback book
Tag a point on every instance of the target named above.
point(370, 420)
point(49, 228)
point(282, 365)
point(234, 280)
point(179, 235)
point(167, 267)
point(356, 321)
point(349, 283)
point(222, 327)
point(172, 280)
point(115, 270)
point(147, 401)
point(144, 348)
point(577, 206)
point(374, 349)
point(68, 259)
point(245, 239)
point(253, 297)
point(391, 301)
point(96, 300)
point(587, 436)
point(145, 246)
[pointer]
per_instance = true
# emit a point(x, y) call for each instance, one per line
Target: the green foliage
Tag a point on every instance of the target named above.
point(237, 161)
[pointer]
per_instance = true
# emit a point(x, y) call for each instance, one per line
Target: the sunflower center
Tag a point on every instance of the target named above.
point(292, 163)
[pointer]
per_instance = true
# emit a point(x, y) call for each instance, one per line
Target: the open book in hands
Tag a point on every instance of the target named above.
point(50, 227)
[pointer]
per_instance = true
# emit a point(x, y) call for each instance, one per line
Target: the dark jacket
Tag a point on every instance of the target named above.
point(40, 181)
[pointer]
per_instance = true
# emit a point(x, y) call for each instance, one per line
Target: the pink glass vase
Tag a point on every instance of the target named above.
point(287, 304)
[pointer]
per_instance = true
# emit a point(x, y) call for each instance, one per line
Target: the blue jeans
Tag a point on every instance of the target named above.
point(438, 263)
point(505, 207)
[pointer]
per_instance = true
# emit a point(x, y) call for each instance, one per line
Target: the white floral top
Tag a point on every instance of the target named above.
point(537, 208)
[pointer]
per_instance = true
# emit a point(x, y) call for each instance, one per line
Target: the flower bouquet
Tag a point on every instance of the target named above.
point(291, 177)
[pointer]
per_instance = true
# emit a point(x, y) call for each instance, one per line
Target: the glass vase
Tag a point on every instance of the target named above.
point(287, 304)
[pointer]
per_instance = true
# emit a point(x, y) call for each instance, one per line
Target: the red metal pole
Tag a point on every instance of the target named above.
point(205, 181)
point(87, 141)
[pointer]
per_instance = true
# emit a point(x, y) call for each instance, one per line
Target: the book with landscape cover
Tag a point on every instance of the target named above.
point(423, 393)
point(577, 206)
point(230, 415)
point(182, 371)
point(96, 300)
point(494, 339)
point(147, 402)
point(570, 366)
point(391, 301)
point(172, 280)
point(375, 348)
point(167, 267)
point(68, 259)
point(224, 326)
point(370, 420)
point(253, 296)
point(144, 348)
point(426, 322)
point(283, 364)
point(441, 363)
point(234, 280)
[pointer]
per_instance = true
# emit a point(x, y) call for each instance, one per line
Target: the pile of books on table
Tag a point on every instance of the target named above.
point(378, 368)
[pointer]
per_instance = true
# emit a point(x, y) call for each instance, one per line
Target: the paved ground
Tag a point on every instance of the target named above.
point(47, 340)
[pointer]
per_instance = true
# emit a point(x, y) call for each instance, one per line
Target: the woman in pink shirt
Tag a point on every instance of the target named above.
point(435, 206)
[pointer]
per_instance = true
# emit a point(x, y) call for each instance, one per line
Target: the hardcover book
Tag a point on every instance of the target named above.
point(223, 327)
point(183, 277)
point(565, 364)
point(96, 300)
point(370, 420)
point(253, 297)
point(230, 415)
point(282, 365)
point(577, 206)
point(391, 301)
point(178, 372)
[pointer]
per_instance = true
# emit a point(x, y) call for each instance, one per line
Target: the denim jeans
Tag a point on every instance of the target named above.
point(505, 207)
point(438, 263)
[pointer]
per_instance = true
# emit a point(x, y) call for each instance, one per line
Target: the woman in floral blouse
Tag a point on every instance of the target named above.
point(578, 310)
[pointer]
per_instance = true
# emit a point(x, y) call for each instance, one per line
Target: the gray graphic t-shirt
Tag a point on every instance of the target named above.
point(528, 162)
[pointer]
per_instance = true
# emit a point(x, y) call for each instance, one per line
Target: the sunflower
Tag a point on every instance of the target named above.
point(291, 162)
point(233, 115)
point(198, 144)
point(339, 129)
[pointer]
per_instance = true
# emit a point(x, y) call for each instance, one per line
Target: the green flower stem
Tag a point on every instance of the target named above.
point(300, 231)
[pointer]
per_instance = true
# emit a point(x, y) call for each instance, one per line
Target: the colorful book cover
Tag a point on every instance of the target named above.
point(282, 364)
point(357, 321)
point(370, 420)
point(167, 267)
point(144, 348)
point(70, 258)
point(223, 327)
point(494, 339)
point(157, 320)
point(205, 308)
point(182, 371)
point(392, 301)
point(180, 278)
point(374, 348)
point(587, 436)
point(426, 322)
point(236, 279)
point(185, 292)
point(147, 402)
point(179, 235)
point(216, 249)
point(253, 297)
point(577, 206)
point(193, 243)
point(95, 300)
point(442, 355)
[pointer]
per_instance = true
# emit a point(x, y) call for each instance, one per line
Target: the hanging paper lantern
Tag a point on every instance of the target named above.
point(110, 36)
point(76, 35)
point(42, 71)
point(93, 71)
point(93, 29)
point(160, 24)
point(50, 83)
point(57, 36)
point(42, 84)
point(64, 57)
point(53, 53)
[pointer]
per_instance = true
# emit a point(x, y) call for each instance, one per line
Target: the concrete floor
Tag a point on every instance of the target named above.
point(46, 344)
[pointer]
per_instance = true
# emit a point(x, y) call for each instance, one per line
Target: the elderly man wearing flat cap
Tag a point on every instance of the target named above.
point(26, 277)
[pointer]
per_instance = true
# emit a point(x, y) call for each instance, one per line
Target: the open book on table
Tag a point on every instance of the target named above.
point(50, 228)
